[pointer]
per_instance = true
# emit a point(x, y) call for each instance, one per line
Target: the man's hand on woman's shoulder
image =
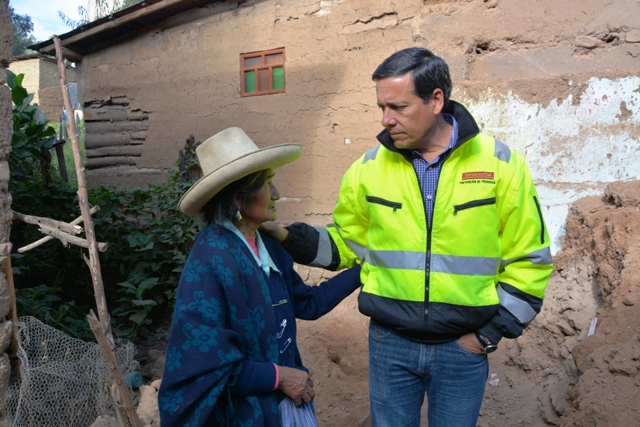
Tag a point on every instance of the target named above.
point(274, 230)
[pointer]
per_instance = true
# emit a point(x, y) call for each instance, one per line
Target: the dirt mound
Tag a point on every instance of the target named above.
point(556, 373)
point(606, 232)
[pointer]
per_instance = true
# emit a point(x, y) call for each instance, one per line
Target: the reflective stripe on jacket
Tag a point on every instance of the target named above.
point(485, 262)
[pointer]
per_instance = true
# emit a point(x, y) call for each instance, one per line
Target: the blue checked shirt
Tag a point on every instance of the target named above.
point(428, 173)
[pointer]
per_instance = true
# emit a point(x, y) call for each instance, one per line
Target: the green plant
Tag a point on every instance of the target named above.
point(148, 238)
point(149, 241)
point(32, 136)
point(135, 305)
point(46, 263)
point(44, 303)
point(36, 191)
point(22, 32)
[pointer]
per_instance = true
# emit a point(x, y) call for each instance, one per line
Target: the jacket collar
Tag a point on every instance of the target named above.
point(467, 128)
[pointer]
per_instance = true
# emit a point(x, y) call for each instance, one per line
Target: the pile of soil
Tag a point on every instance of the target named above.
point(556, 373)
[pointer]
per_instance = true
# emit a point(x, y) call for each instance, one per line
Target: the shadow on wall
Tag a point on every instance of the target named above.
point(309, 114)
point(132, 147)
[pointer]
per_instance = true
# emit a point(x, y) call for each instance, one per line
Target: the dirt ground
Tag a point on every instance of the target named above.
point(555, 373)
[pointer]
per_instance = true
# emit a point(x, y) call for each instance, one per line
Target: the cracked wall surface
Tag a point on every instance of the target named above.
point(561, 88)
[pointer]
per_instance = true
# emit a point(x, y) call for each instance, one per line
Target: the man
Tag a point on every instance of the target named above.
point(448, 227)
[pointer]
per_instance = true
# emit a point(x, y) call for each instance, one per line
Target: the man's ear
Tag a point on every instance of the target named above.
point(438, 101)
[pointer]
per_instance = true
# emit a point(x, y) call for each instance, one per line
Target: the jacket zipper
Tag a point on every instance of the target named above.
point(473, 204)
point(427, 285)
point(535, 199)
point(384, 202)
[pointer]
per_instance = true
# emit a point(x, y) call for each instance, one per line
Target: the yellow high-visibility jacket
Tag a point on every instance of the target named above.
point(482, 265)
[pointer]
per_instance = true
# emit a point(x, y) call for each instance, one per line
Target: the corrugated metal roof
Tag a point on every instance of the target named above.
point(102, 32)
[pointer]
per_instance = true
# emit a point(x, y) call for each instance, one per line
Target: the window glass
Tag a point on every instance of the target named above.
point(278, 78)
point(250, 81)
point(262, 72)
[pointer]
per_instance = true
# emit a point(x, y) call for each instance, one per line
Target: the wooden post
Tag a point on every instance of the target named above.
point(120, 392)
point(124, 407)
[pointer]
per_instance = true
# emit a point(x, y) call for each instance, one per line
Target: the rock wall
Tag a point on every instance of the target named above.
point(6, 129)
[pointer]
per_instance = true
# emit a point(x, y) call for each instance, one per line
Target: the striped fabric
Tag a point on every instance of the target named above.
point(294, 416)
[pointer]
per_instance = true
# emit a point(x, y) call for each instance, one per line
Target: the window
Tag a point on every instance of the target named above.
point(262, 73)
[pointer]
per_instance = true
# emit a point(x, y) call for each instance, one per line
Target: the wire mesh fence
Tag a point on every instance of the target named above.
point(62, 381)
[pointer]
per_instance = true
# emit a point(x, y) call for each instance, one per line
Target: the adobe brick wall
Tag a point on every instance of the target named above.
point(560, 88)
point(31, 70)
point(41, 79)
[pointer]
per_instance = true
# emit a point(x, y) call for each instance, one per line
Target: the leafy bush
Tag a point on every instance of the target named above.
point(43, 302)
point(30, 184)
point(36, 191)
point(32, 136)
point(148, 238)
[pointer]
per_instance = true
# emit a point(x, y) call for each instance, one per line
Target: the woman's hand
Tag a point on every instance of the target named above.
point(273, 230)
point(297, 384)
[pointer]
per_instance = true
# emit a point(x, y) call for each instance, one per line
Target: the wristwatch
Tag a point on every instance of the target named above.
point(487, 345)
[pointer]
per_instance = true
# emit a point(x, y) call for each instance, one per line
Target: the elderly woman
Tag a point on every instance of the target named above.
point(232, 357)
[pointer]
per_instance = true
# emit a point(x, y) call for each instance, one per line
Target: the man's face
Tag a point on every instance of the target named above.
point(409, 120)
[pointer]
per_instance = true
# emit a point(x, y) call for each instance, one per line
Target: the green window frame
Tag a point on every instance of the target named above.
point(262, 73)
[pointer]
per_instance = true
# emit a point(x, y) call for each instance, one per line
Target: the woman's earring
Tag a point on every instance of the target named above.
point(238, 216)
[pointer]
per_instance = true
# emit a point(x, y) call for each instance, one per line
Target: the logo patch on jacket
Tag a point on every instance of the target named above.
point(478, 178)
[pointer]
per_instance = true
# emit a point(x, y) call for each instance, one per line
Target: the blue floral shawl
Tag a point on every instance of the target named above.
point(222, 314)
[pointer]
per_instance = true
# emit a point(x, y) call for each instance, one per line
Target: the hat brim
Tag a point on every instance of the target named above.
point(192, 202)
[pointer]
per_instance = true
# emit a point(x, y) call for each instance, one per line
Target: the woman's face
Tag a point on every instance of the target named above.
point(262, 207)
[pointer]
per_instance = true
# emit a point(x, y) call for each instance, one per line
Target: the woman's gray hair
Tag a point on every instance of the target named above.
point(233, 198)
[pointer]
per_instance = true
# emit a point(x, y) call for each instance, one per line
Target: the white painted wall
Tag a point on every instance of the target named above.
point(574, 147)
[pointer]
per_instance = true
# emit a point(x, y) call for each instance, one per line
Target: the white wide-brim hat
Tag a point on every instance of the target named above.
point(226, 157)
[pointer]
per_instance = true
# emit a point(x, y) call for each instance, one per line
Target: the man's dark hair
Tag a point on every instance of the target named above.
point(429, 72)
point(233, 197)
